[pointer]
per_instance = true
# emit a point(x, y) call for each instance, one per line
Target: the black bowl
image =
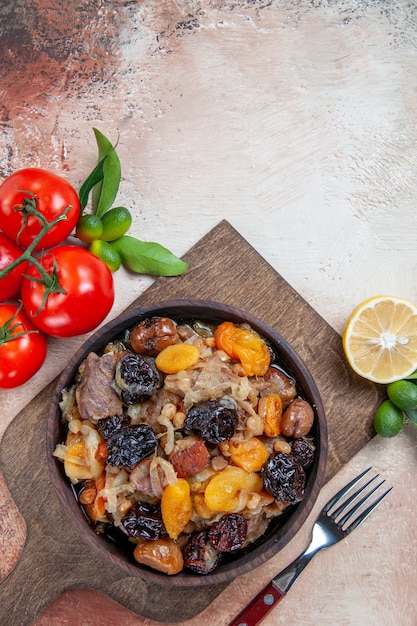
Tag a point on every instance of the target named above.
point(280, 531)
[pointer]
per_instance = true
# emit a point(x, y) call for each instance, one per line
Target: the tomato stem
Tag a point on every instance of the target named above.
point(51, 284)
point(27, 254)
point(7, 332)
point(27, 208)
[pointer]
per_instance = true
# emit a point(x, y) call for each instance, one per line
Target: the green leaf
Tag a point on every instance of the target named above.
point(104, 194)
point(145, 257)
point(92, 179)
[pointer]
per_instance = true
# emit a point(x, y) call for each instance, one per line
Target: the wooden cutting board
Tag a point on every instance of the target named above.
point(223, 267)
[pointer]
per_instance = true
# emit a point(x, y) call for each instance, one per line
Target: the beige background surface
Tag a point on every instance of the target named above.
point(295, 121)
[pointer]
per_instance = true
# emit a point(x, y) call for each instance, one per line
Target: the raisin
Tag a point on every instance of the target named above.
point(229, 533)
point(213, 420)
point(130, 445)
point(110, 425)
point(303, 451)
point(144, 520)
point(284, 478)
point(199, 554)
point(136, 378)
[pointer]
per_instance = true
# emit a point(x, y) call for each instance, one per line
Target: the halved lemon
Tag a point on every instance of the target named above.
point(380, 339)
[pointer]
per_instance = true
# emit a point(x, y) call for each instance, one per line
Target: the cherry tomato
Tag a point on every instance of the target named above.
point(50, 194)
point(86, 296)
point(22, 347)
point(10, 284)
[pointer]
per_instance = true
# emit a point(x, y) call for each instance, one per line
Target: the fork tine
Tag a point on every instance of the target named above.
point(362, 517)
point(346, 503)
point(345, 506)
point(339, 495)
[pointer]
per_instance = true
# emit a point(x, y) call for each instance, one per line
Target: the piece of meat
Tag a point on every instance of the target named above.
point(96, 398)
point(190, 456)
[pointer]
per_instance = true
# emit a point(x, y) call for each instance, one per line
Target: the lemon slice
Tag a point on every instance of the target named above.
point(380, 339)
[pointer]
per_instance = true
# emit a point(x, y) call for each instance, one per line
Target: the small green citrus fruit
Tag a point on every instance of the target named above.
point(116, 222)
point(388, 419)
point(412, 415)
point(403, 393)
point(89, 228)
point(106, 253)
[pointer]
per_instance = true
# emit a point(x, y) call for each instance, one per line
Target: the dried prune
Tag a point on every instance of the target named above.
point(284, 478)
point(136, 378)
point(229, 533)
point(199, 554)
point(303, 451)
point(213, 420)
point(110, 425)
point(144, 520)
point(152, 335)
point(130, 445)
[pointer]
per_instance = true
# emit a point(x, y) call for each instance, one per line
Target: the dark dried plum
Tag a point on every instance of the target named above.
point(229, 533)
point(144, 520)
point(136, 378)
point(110, 425)
point(303, 451)
point(284, 478)
point(130, 445)
point(213, 420)
point(199, 554)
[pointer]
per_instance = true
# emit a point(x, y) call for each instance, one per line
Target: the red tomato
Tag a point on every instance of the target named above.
point(88, 292)
point(10, 284)
point(51, 195)
point(20, 358)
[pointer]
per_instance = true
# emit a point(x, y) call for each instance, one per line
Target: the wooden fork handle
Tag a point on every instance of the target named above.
point(260, 606)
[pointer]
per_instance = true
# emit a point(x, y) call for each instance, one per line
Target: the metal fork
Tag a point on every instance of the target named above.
point(336, 520)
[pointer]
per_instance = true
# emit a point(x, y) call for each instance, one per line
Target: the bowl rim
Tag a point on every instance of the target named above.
point(269, 544)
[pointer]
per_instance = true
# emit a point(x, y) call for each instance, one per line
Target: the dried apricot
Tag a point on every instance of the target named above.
point(249, 455)
point(244, 345)
point(228, 490)
point(88, 493)
point(96, 510)
point(79, 464)
point(162, 554)
point(270, 410)
point(177, 357)
point(176, 507)
point(200, 506)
